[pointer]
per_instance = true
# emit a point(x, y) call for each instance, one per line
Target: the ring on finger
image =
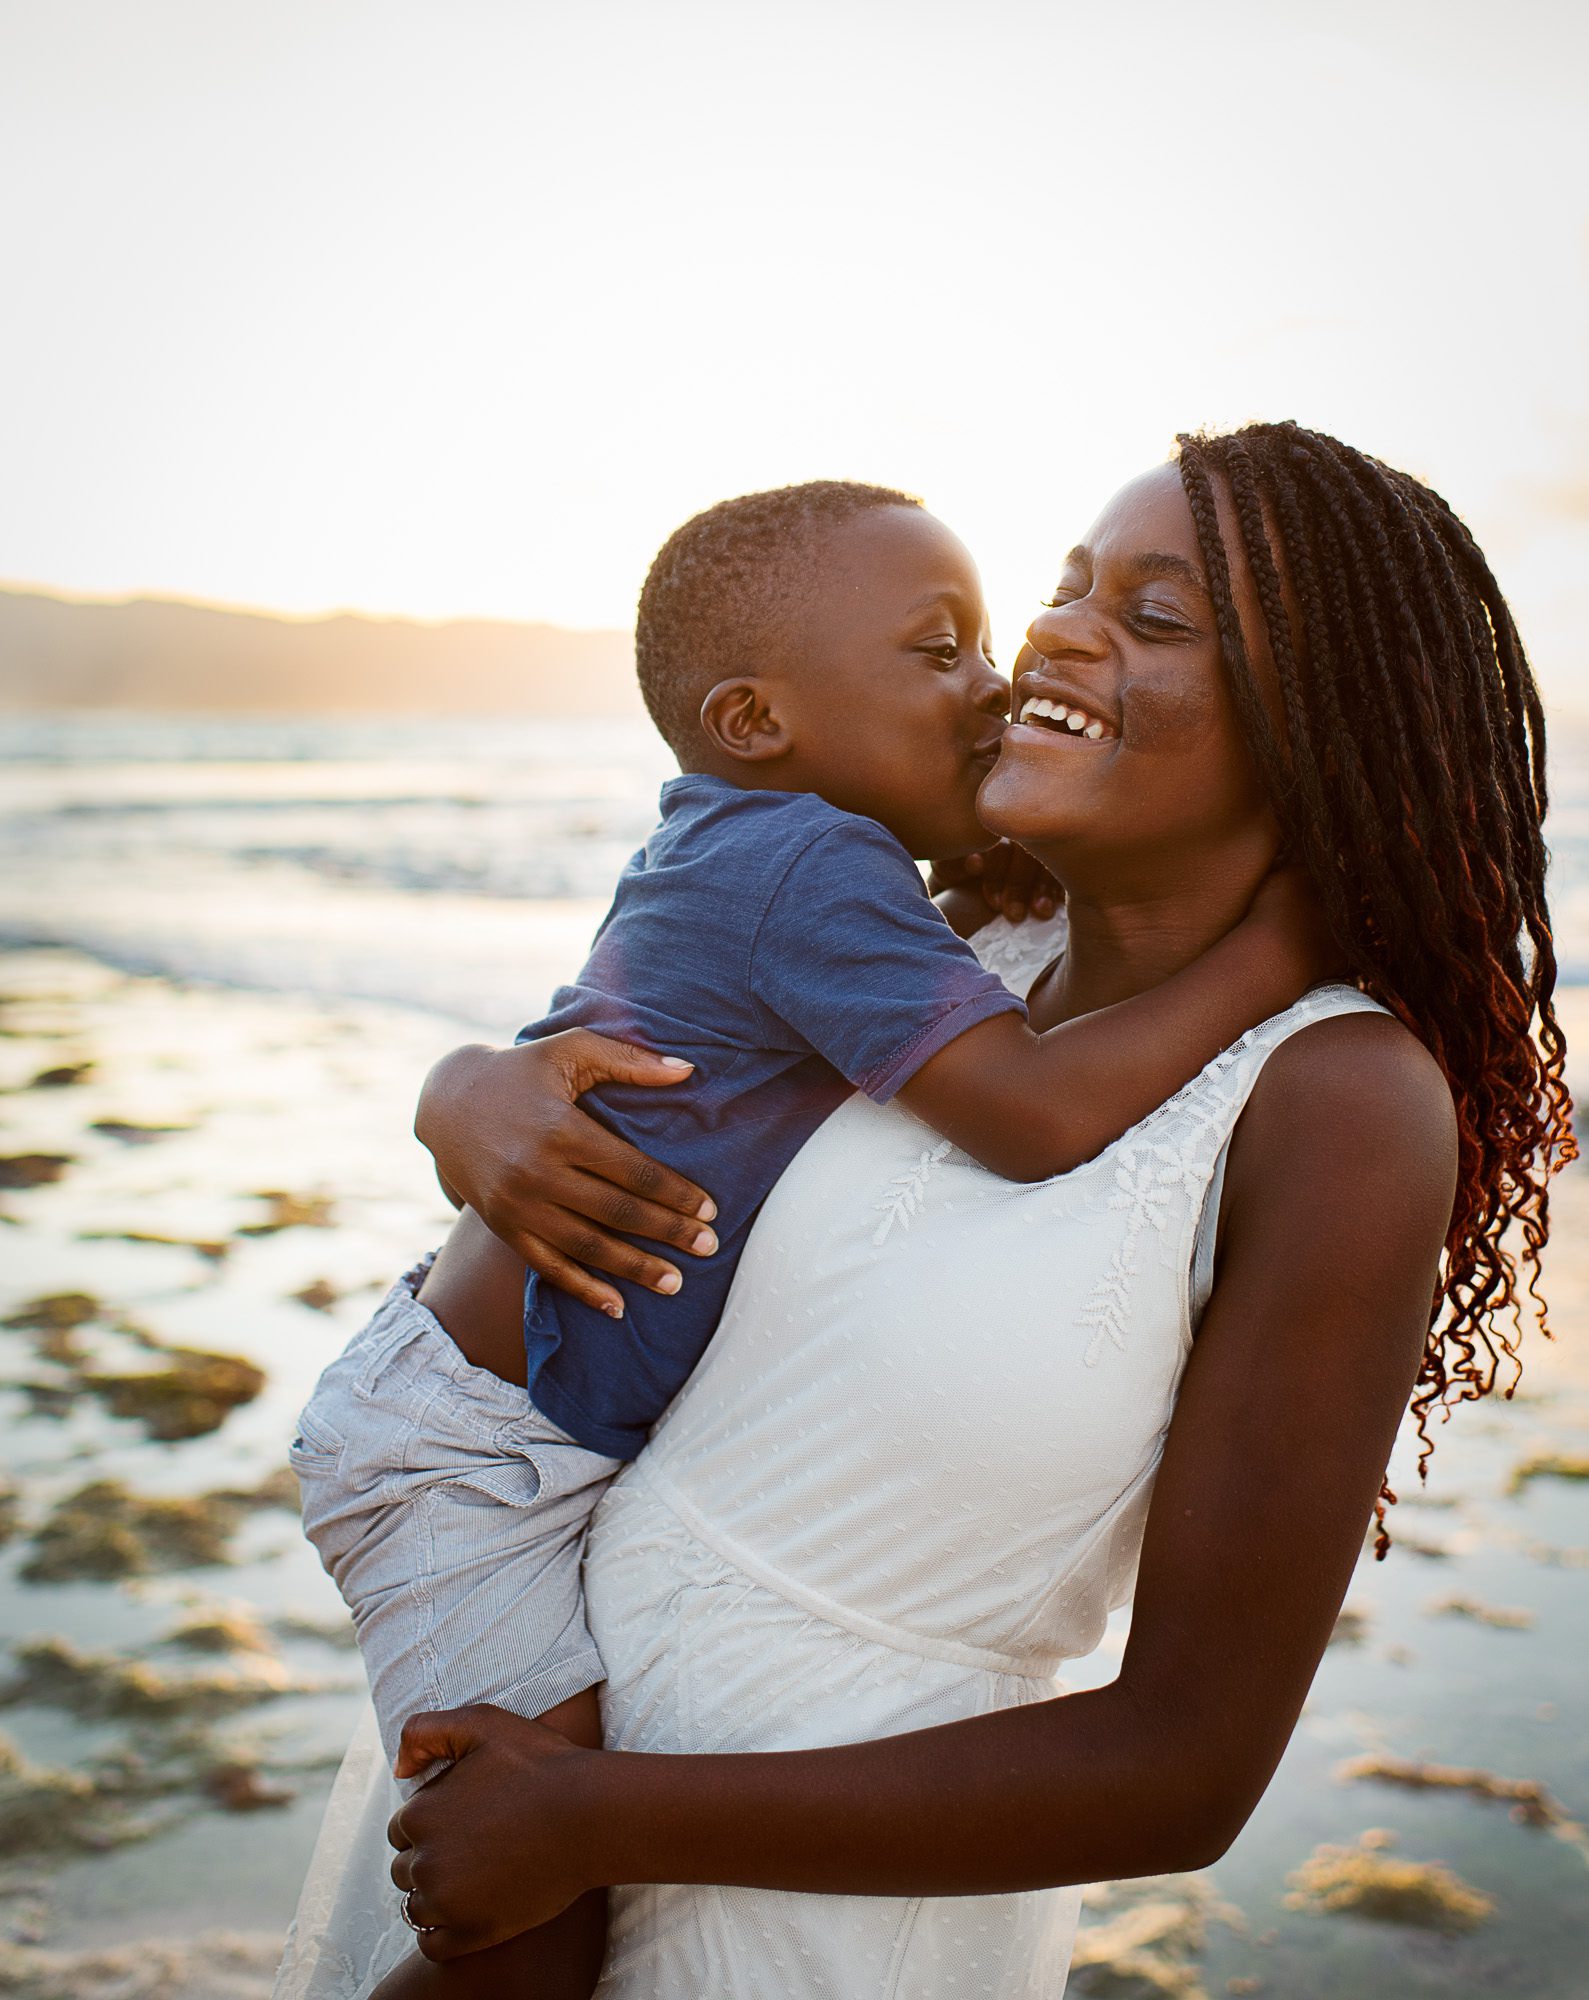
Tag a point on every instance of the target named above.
point(409, 1918)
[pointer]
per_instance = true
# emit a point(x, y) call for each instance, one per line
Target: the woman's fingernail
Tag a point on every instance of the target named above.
point(704, 1244)
point(670, 1283)
point(613, 1308)
point(707, 1212)
point(676, 1062)
point(1015, 912)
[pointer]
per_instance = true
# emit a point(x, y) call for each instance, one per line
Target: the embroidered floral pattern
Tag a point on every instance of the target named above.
point(1018, 952)
point(907, 1191)
point(1151, 1182)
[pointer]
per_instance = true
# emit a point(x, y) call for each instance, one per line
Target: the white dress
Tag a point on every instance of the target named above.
point(906, 1484)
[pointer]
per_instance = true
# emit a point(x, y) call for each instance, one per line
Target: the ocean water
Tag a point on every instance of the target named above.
point(458, 866)
point(228, 950)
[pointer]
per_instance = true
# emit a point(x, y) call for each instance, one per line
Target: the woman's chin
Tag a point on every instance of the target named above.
point(1011, 805)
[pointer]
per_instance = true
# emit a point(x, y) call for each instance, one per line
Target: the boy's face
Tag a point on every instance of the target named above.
point(891, 704)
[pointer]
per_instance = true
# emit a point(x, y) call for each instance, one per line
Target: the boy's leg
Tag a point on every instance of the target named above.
point(452, 1517)
point(559, 1961)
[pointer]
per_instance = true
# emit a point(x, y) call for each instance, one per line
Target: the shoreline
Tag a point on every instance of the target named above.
point(236, 1180)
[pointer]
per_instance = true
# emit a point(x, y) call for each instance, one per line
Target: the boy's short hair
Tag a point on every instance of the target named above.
point(722, 587)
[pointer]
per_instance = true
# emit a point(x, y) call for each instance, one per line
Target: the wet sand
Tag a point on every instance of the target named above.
point(203, 1191)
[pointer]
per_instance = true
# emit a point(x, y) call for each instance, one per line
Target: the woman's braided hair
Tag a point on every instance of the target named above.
point(1408, 773)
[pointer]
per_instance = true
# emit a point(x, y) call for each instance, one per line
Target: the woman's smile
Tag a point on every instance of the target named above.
point(1053, 706)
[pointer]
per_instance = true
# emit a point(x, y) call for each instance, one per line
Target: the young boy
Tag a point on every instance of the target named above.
point(817, 658)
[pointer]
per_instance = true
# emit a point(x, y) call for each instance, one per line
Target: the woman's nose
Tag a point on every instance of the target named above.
point(1061, 631)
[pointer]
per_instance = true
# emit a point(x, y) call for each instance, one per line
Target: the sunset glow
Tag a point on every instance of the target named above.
point(459, 312)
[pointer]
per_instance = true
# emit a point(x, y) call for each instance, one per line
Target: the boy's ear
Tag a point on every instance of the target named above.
point(738, 718)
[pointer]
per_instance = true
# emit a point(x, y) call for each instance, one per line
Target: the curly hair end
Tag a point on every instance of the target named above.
point(1403, 743)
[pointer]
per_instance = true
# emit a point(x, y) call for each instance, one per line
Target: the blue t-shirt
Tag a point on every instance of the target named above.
point(791, 952)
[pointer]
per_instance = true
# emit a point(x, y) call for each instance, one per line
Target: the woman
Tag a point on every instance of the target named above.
point(949, 1422)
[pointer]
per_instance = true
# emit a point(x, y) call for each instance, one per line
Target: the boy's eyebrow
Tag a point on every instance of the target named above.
point(1148, 564)
point(943, 594)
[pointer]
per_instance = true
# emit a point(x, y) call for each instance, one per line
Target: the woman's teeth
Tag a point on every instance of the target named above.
point(1058, 715)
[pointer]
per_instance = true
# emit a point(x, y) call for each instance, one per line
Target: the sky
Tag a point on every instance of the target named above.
point(458, 310)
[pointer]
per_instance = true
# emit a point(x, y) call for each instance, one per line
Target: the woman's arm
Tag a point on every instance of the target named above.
point(510, 1142)
point(1337, 1198)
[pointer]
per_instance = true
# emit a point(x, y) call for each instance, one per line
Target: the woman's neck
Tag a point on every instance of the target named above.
point(1123, 945)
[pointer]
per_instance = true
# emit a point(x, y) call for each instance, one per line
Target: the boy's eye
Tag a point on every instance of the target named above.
point(946, 650)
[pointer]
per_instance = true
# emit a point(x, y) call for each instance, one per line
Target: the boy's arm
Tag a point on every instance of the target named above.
point(1030, 1105)
point(963, 909)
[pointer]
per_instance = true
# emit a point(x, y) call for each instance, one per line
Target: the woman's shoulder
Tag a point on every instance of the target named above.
point(1347, 1090)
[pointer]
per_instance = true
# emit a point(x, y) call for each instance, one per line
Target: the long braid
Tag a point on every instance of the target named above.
point(1403, 743)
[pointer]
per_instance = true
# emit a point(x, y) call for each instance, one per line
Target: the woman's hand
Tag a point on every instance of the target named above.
point(1010, 882)
point(557, 1187)
point(494, 1845)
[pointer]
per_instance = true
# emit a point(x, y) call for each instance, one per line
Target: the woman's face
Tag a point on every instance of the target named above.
point(1124, 743)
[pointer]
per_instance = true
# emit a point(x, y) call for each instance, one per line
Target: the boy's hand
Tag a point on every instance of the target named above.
point(1288, 904)
point(548, 1180)
point(1009, 880)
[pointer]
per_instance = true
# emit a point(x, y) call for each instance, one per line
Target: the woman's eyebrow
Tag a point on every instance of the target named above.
point(1152, 563)
point(1145, 566)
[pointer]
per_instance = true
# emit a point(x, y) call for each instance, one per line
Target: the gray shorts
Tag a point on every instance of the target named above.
point(451, 1515)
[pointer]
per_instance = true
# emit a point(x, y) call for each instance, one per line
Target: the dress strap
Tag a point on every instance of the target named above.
point(1230, 1080)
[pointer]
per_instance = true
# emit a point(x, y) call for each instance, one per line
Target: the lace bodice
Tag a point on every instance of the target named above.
point(936, 1399)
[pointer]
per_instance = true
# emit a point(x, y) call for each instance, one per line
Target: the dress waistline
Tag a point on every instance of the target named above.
point(875, 1630)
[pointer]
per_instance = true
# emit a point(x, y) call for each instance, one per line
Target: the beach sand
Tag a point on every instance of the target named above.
point(202, 1193)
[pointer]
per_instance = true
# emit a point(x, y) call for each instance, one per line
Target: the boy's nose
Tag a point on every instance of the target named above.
point(993, 692)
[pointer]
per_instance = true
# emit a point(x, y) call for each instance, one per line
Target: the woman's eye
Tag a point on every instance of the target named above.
point(1061, 596)
point(1149, 620)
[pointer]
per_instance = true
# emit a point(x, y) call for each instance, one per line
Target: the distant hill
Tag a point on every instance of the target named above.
point(158, 653)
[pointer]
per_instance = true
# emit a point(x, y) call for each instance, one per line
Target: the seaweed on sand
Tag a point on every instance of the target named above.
point(338, 1633)
point(1363, 1881)
point(221, 1629)
point(1529, 1803)
point(131, 1133)
point(235, 1785)
point(212, 1248)
point(114, 1687)
point(219, 1965)
point(54, 1319)
point(62, 1076)
point(319, 1295)
point(291, 1211)
point(104, 1531)
point(46, 1810)
point(1501, 1617)
point(190, 1397)
point(25, 1170)
point(1145, 1945)
point(1547, 1465)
